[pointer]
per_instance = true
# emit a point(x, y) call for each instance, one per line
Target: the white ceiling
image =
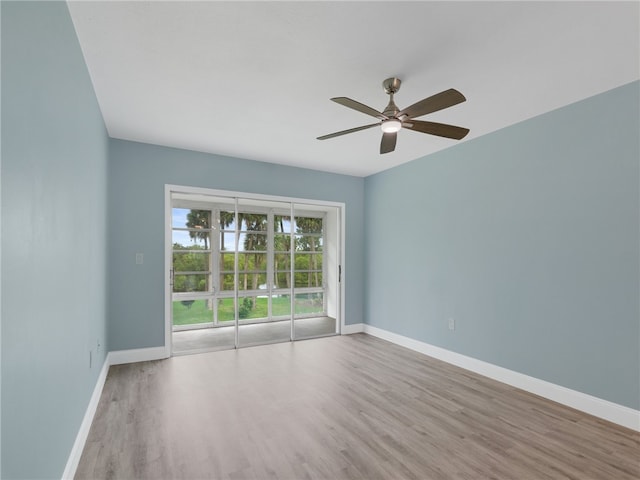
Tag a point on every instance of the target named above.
point(253, 79)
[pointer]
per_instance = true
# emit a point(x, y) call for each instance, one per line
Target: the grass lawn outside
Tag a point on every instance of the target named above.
point(190, 312)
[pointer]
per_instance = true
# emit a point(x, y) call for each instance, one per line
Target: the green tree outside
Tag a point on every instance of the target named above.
point(252, 259)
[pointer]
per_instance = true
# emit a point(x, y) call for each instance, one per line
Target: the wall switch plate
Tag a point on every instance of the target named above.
point(452, 324)
point(139, 258)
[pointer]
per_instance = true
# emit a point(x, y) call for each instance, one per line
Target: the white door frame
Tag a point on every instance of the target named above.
point(171, 189)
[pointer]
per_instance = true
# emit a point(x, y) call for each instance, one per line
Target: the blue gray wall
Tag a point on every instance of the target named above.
point(54, 203)
point(138, 174)
point(529, 239)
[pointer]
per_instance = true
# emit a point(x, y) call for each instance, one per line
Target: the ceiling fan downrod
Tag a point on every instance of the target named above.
point(391, 86)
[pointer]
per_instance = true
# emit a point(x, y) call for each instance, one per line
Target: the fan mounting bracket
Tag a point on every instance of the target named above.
point(391, 85)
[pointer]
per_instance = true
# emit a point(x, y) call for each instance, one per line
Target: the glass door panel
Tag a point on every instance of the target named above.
point(191, 266)
point(264, 296)
point(311, 315)
point(199, 320)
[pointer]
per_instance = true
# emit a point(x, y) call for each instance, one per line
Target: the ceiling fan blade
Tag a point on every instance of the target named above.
point(388, 143)
point(360, 107)
point(439, 129)
point(436, 102)
point(351, 130)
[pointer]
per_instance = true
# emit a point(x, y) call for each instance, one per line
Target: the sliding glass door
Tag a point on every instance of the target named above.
point(249, 271)
point(314, 247)
point(200, 299)
point(264, 243)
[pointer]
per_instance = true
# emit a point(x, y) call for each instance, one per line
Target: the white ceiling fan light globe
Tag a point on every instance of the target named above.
point(391, 126)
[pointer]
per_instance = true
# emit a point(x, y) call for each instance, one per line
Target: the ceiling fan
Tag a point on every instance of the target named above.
point(392, 119)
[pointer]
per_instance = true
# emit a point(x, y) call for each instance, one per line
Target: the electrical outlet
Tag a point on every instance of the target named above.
point(452, 324)
point(98, 347)
point(139, 258)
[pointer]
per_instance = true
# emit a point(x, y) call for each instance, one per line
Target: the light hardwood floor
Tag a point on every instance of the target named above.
point(350, 407)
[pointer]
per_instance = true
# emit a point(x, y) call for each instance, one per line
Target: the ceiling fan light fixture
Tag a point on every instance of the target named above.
point(391, 126)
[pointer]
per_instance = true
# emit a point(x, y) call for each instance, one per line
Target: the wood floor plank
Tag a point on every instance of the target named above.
point(350, 407)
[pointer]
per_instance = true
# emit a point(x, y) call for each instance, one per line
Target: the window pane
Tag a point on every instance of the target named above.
point(282, 262)
point(306, 303)
point(228, 241)
point(186, 218)
point(252, 307)
point(226, 283)
point(281, 305)
point(246, 281)
point(282, 243)
point(301, 262)
point(227, 262)
point(282, 280)
point(281, 224)
point(253, 222)
point(308, 279)
point(252, 262)
point(252, 242)
point(191, 261)
point(179, 217)
point(308, 243)
point(255, 261)
point(227, 220)
point(189, 312)
point(226, 310)
point(308, 261)
point(252, 281)
point(308, 225)
point(190, 283)
point(192, 239)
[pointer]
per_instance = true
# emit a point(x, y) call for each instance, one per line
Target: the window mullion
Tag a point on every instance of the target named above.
point(292, 268)
point(270, 261)
point(215, 261)
point(236, 277)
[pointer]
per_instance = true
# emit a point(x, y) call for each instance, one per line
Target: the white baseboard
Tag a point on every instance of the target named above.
point(83, 433)
point(612, 412)
point(354, 328)
point(119, 357)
